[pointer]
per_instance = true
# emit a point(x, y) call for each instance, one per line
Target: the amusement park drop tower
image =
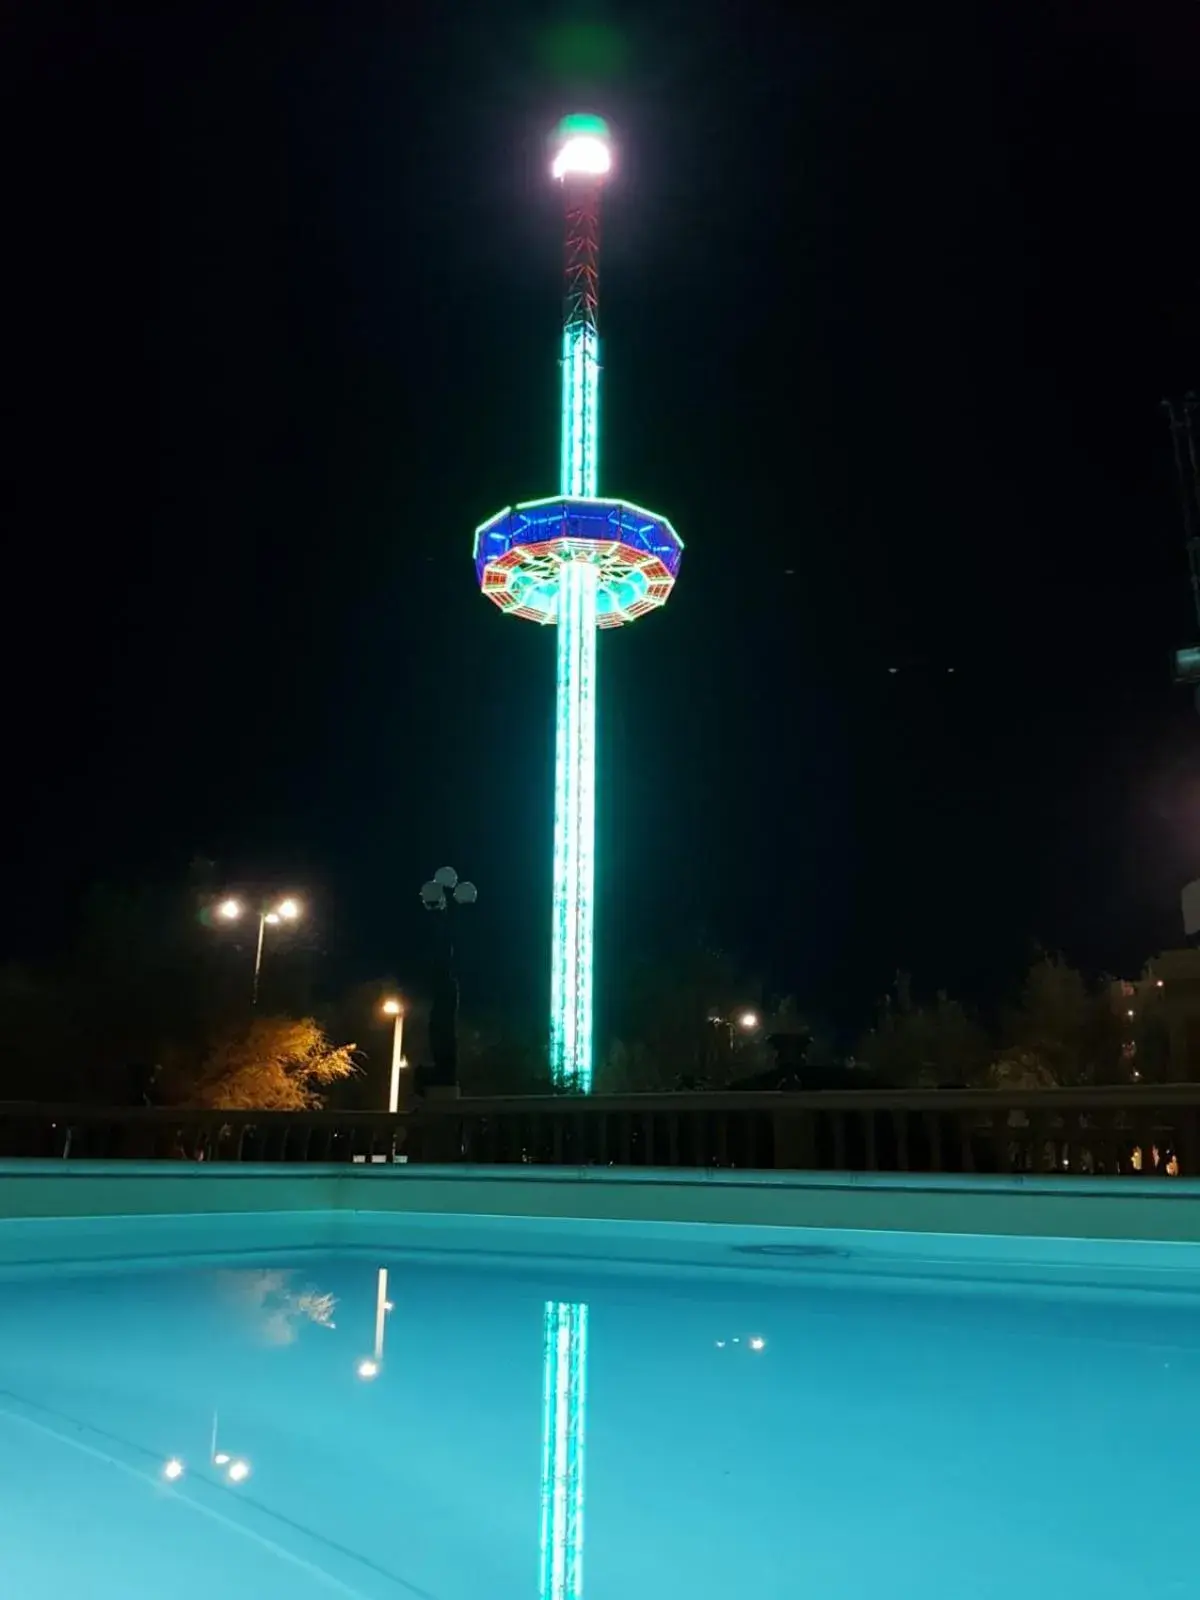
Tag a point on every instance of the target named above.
point(577, 562)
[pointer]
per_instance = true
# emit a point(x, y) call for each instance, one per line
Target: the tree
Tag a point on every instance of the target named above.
point(1016, 1068)
point(916, 1046)
point(498, 1054)
point(629, 1068)
point(675, 1023)
point(38, 1044)
point(271, 1064)
point(1061, 1031)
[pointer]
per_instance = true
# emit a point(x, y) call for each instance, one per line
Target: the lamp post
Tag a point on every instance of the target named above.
point(393, 1008)
point(735, 1023)
point(287, 910)
point(443, 894)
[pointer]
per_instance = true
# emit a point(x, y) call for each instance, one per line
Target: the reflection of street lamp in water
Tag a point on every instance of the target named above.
point(369, 1367)
point(235, 1468)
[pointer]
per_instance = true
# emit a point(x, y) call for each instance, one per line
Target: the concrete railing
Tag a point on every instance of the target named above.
point(1104, 1131)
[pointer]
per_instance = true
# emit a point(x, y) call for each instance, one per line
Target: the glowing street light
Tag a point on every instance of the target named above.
point(748, 1021)
point(393, 1008)
point(288, 910)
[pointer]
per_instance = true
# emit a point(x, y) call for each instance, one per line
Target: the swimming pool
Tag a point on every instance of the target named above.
point(463, 1409)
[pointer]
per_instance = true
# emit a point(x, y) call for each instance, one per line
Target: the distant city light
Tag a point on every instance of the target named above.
point(748, 1019)
point(230, 909)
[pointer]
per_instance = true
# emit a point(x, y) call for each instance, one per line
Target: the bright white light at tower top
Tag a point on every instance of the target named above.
point(583, 148)
point(582, 157)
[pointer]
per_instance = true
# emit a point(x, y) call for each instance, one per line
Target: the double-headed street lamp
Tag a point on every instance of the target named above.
point(268, 916)
point(746, 1021)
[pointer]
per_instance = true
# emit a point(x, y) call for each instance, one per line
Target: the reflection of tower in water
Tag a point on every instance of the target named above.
point(564, 1405)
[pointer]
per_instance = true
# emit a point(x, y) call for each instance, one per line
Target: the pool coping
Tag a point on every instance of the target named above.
point(1120, 1209)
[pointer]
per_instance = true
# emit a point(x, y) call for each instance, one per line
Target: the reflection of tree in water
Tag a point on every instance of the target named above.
point(277, 1302)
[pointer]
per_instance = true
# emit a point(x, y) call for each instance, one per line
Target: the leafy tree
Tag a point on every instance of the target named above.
point(39, 1048)
point(1062, 1030)
point(501, 1055)
point(143, 983)
point(271, 1064)
point(916, 1046)
point(676, 1022)
point(630, 1068)
point(1016, 1068)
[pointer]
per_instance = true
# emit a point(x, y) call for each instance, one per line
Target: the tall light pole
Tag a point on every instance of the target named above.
point(268, 916)
point(393, 1008)
point(444, 893)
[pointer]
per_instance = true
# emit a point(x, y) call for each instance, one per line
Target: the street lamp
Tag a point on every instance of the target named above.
point(287, 910)
point(445, 892)
point(393, 1008)
point(446, 886)
point(748, 1020)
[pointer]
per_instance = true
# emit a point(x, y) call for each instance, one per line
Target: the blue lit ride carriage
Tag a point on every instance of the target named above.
point(520, 553)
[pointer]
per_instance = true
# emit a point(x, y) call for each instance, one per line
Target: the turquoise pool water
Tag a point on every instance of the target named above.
point(464, 1423)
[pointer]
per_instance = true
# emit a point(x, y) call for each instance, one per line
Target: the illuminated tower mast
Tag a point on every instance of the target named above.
point(577, 562)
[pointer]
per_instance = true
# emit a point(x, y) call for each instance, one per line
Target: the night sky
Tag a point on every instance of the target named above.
point(890, 296)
